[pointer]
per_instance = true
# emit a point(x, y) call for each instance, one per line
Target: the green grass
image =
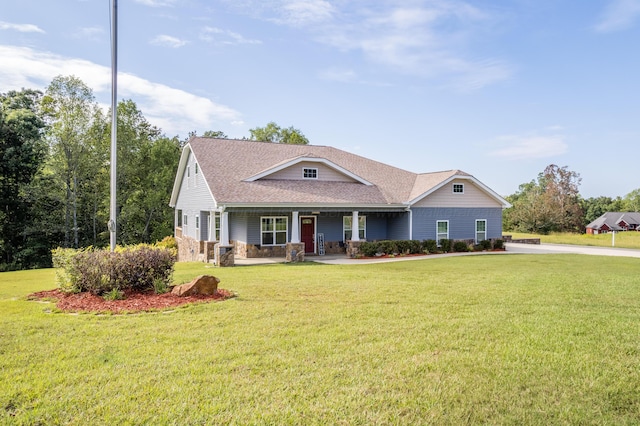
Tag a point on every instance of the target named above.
point(497, 339)
point(629, 239)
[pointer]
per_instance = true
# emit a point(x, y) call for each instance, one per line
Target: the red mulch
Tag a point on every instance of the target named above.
point(132, 302)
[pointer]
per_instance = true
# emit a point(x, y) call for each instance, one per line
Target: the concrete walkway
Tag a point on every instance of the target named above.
point(511, 248)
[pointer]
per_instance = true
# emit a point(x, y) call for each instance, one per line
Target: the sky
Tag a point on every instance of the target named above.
point(498, 89)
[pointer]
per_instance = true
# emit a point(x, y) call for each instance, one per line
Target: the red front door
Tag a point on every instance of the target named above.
point(308, 234)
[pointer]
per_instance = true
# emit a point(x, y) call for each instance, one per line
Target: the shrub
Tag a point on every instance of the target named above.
point(141, 267)
point(498, 244)
point(369, 248)
point(445, 245)
point(168, 243)
point(415, 246)
point(113, 294)
point(460, 247)
point(431, 246)
point(388, 247)
point(485, 244)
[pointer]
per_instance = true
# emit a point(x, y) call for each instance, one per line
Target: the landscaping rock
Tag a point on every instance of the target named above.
point(204, 284)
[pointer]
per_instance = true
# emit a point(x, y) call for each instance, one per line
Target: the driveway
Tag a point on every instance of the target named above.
point(511, 248)
point(566, 248)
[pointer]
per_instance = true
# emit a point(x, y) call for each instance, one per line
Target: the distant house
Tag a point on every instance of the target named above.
point(615, 221)
point(262, 199)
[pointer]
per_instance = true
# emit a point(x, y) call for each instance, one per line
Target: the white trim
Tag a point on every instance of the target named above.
point(180, 174)
point(356, 215)
point(310, 169)
point(437, 222)
point(453, 188)
point(486, 229)
point(310, 160)
point(295, 229)
point(286, 218)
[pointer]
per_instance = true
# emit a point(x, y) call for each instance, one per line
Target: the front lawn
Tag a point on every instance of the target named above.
point(519, 339)
point(628, 239)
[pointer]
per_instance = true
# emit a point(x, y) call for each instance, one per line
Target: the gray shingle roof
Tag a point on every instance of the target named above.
point(611, 219)
point(227, 163)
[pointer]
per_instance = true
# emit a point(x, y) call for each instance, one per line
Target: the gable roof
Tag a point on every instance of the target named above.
point(237, 173)
point(611, 220)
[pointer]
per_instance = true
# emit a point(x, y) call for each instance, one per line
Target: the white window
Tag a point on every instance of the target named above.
point(458, 188)
point(481, 230)
point(216, 225)
point(197, 222)
point(274, 230)
point(184, 220)
point(309, 173)
point(348, 228)
point(195, 166)
point(442, 230)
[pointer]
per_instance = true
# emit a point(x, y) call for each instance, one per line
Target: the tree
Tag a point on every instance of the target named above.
point(595, 207)
point(548, 205)
point(147, 162)
point(631, 201)
point(274, 133)
point(22, 151)
point(72, 114)
point(215, 134)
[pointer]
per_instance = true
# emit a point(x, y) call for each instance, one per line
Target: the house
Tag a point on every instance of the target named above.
point(261, 199)
point(615, 221)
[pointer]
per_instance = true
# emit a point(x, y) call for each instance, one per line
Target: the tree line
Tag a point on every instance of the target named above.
point(552, 203)
point(55, 172)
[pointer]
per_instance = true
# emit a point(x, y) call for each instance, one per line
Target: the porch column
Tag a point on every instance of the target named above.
point(355, 228)
point(224, 228)
point(212, 226)
point(295, 232)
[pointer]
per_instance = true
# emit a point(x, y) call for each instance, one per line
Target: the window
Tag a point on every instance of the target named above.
point(179, 216)
point(216, 232)
point(184, 220)
point(348, 229)
point(309, 173)
point(274, 230)
point(195, 166)
point(481, 230)
point(188, 171)
point(442, 230)
point(197, 222)
point(458, 188)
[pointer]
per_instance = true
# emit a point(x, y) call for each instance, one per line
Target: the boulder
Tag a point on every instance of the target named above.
point(204, 284)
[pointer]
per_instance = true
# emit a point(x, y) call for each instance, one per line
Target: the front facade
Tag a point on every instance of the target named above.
point(259, 198)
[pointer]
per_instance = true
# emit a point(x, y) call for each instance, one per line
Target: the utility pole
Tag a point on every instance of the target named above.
point(113, 226)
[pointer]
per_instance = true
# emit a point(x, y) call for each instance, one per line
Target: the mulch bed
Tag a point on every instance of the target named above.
point(132, 302)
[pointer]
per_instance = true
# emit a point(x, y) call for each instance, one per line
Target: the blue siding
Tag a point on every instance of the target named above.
point(376, 227)
point(398, 227)
point(462, 222)
point(330, 226)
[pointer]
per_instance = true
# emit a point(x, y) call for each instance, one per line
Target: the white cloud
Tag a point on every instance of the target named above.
point(168, 41)
point(173, 110)
point(23, 28)
point(302, 12)
point(619, 15)
point(219, 36)
point(523, 147)
point(425, 38)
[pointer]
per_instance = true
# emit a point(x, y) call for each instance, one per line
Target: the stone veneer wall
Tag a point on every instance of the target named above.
point(188, 249)
point(250, 250)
